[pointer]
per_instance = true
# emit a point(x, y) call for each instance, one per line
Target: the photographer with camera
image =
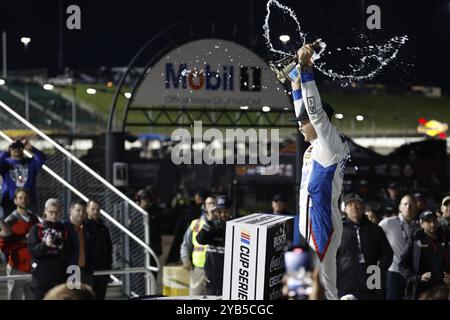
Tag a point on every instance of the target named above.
point(19, 171)
point(213, 235)
point(51, 250)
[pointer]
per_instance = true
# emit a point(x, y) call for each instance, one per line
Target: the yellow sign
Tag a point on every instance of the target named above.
point(433, 128)
point(175, 281)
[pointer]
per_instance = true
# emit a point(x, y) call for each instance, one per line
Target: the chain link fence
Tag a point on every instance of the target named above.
point(67, 179)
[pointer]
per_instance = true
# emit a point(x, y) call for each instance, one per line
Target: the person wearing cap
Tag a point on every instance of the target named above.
point(373, 212)
point(145, 200)
point(322, 172)
point(425, 264)
point(19, 171)
point(363, 244)
point(213, 235)
point(392, 200)
point(279, 206)
point(444, 219)
point(420, 201)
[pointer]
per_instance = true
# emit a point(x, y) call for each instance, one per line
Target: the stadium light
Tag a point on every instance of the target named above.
point(48, 86)
point(127, 95)
point(359, 118)
point(91, 91)
point(285, 38)
point(244, 107)
point(265, 109)
point(339, 116)
point(2, 82)
point(25, 40)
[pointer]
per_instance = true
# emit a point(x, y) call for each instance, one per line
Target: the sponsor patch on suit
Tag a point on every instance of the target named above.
point(311, 104)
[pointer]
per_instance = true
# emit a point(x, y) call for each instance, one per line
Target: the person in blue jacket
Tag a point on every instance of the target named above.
point(19, 171)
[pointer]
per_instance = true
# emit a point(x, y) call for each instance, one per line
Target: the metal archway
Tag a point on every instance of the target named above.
point(155, 48)
point(169, 39)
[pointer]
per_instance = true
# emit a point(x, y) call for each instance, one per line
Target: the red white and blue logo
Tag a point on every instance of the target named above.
point(245, 237)
point(212, 79)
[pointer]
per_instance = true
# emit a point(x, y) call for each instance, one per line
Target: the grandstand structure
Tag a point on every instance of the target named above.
point(48, 110)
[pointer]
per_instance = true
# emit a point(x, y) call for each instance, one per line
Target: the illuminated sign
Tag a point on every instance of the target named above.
point(211, 72)
point(432, 128)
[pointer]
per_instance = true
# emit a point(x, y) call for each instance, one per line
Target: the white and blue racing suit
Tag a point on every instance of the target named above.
point(324, 162)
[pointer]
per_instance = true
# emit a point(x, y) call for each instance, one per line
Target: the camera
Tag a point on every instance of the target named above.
point(55, 236)
point(298, 271)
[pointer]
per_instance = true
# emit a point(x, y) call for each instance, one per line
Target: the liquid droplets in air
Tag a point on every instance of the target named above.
point(367, 60)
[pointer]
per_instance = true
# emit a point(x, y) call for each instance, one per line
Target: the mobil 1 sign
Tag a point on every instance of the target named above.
point(211, 73)
point(254, 256)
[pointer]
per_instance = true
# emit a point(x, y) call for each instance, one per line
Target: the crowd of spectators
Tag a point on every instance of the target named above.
point(402, 234)
point(51, 250)
point(404, 237)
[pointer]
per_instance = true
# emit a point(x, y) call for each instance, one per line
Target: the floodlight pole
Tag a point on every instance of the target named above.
point(5, 68)
point(61, 37)
point(74, 110)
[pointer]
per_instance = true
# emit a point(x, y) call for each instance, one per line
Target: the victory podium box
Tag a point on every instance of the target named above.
point(254, 256)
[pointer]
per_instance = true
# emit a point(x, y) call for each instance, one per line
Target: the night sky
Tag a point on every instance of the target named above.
point(112, 31)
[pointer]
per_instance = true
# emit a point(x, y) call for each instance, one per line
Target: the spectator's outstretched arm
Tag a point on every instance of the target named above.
point(206, 234)
point(186, 246)
point(39, 158)
point(407, 265)
point(212, 234)
point(386, 253)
